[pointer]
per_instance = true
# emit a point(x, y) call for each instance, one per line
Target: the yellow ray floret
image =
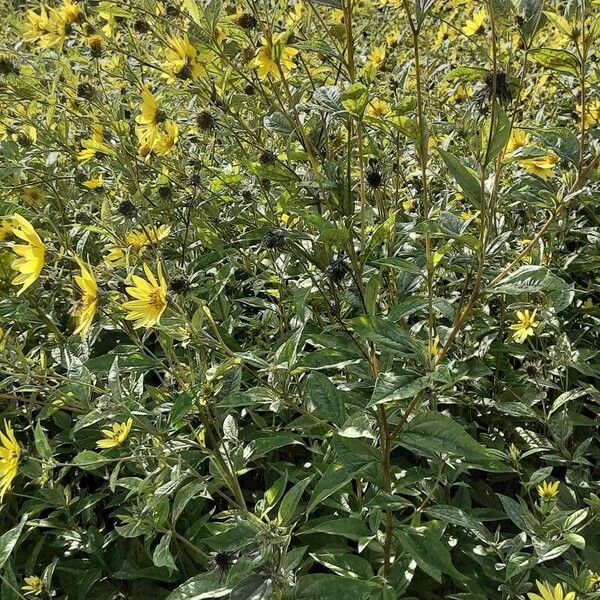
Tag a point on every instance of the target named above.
point(31, 254)
point(149, 299)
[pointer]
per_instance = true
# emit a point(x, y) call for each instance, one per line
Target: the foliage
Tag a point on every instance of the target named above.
point(299, 299)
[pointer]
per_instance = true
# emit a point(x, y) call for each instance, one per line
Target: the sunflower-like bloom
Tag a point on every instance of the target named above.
point(378, 108)
point(88, 304)
point(10, 453)
point(150, 299)
point(50, 27)
point(167, 139)
point(116, 436)
point(525, 327)
point(181, 60)
point(548, 491)
point(549, 593)
point(69, 12)
point(476, 25)
point(137, 240)
point(542, 166)
point(36, 25)
point(377, 56)
point(95, 144)
point(272, 57)
point(31, 254)
point(518, 139)
point(34, 586)
point(149, 118)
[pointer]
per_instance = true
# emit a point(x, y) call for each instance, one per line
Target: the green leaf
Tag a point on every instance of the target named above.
point(426, 548)
point(326, 397)
point(202, 587)
point(355, 99)
point(335, 477)
point(192, 8)
point(345, 565)
point(558, 60)
point(387, 335)
point(434, 432)
point(531, 12)
point(351, 528)
point(278, 123)
point(330, 587)
point(290, 501)
point(88, 460)
point(9, 540)
point(469, 184)
point(41, 443)
point(534, 278)
point(460, 518)
point(519, 514)
point(162, 556)
point(500, 134)
point(390, 387)
point(235, 538)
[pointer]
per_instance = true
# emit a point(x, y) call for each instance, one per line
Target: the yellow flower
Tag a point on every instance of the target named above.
point(33, 586)
point(150, 299)
point(377, 56)
point(592, 112)
point(548, 491)
point(151, 235)
point(295, 14)
point(31, 254)
point(271, 58)
point(116, 436)
point(10, 452)
point(378, 109)
point(165, 141)
point(542, 166)
point(149, 118)
point(518, 139)
point(137, 240)
point(547, 593)
point(70, 12)
point(443, 33)
point(181, 60)
point(94, 183)
point(476, 25)
point(36, 25)
point(94, 145)
point(525, 327)
point(89, 298)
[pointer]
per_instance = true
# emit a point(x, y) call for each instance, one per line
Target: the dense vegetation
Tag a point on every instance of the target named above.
point(299, 299)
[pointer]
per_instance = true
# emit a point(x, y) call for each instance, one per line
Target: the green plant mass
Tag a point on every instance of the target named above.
point(299, 299)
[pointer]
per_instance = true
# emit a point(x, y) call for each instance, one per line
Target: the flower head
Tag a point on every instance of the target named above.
point(377, 56)
point(31, 254)
point(525, 327)
point(149, 299)
point(378, 108)
point(548, 491)
point(549, 593)
point(95, 144)
point(475, 25)
point(89, 298)
point(181, 62)
point(116, 436)
point(518, 139)
point(542, 166)
point(270, 58)
point(10, 452)
point(34, 586)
